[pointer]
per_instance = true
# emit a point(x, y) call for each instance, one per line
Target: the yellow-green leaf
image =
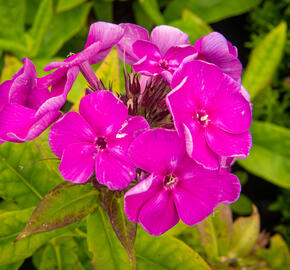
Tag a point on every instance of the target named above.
point(264, 60)
point(11, 66)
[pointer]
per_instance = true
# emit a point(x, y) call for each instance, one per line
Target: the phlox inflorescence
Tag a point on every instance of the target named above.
point(169, 141)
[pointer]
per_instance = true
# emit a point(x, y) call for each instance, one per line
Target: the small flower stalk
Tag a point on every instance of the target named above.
point(168, 140)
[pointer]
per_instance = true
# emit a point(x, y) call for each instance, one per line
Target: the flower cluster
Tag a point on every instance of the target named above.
point(171, 137)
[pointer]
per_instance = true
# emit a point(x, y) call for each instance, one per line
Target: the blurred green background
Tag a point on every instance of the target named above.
point(48, 30)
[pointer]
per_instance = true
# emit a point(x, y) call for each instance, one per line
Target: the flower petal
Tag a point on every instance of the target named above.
point(158, 151)
point(231, 188)
point(159, 214)
point(137, 196)
point(78, 162)
point(4, 93)
point(118, 144)
point(197, 147)
point(165, 36)
point(71, 128)
point(132, 33)
point(108, 33)
point(113, 172)
point(104, 112)
point(227, 144)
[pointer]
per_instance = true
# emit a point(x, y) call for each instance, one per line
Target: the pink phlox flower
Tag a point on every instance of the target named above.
point(214, 48)
point(160, 54)
point(26, 107)
point(210, 112)
point(97, 140)
point(177, 187)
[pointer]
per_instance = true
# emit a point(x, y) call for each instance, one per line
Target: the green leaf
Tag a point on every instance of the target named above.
point(40, 25)
point(12, 17)
point(12, 266)
point(264, 60)
point(223, 225)
point(12, 223)
point(243, 206)
point(108, 253)
point(209, 10)
point(245, 234)
point(141, 17)
point(109, 71)
point(63, 27)
point(12, 65)
point(25, 186)
point(64, 5)
point(151, 8)
point(61, 253)
point(208, 238)
point(192, 25)
point(124, 229)
point(269, 157)
point(13, 46)
point(64, 205)
point(277, 255)
point(165, 252)
point(103, 10)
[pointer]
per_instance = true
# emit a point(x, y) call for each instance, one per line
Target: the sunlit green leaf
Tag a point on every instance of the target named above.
point(64, 5)
point(41, 23)
point(63, 27)
point(270, 156)
point(209, 10)
point(12, 266)
point(245, 234)
point(277, 255)
point(165, 252)
point(108, 253)
point(151, 8)
point(192, 25)
point(264, 60)
point(65, 204)
point(22, 178)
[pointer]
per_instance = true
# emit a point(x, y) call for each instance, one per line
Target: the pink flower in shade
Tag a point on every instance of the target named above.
point(97, 140)
point(177, 187)
point(210, 113)
point(26, 107)
point(161, 54)
point(214, 48)
point(101, 38)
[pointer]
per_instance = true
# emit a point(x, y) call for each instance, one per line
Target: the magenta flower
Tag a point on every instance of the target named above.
point(97, 140)
point(214, 48)
point(102, 37)
point(26, 107)
point(161, 54)
point(210, 113)
point(177, 187)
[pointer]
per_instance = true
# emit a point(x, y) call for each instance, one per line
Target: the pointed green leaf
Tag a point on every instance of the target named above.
point(65, 204)
point(223, 225)
point(109, 71)
point(269, 157)
point(208, 238)
point(25, 186)
point(12, 223)
point(108, 253)
point(264, 60)
point(245, 234)
point(151, 8)
point(209, 10)
point(63, 27)
point(192, 25)
point(61, 253)
point(277, 255)
point(124, 229)
point(41, 23)
point(165, 252)
point(64, 5)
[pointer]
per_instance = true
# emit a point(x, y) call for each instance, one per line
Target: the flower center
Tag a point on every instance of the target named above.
point(163, 64)
point(170, 181)
point(101, 143)
point(202, 118)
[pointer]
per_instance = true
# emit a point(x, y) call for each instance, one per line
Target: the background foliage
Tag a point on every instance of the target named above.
point(64, 226)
